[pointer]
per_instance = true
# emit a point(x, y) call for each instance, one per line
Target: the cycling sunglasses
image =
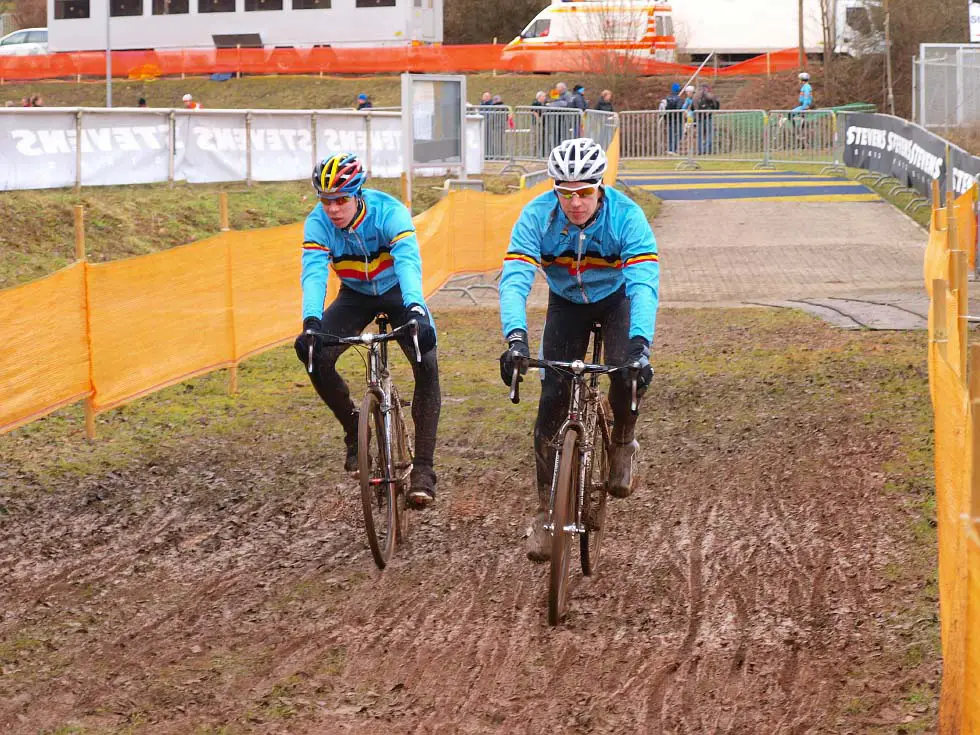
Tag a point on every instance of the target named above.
point(582, 191)
point(342, 199)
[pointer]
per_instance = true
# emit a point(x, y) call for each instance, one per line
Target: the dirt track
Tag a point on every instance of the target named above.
point(763, 579)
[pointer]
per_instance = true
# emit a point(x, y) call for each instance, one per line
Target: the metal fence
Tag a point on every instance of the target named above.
point(529, 133)
point(752, 136)
point(946, 85)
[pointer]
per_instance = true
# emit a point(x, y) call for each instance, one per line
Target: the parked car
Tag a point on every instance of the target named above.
point(25, 42)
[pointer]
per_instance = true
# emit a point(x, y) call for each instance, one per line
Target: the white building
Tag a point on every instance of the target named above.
point(80, 25)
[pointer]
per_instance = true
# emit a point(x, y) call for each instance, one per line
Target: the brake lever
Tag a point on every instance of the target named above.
point(309, 359)
point(515, 381)
point(415, 340)
point(634, 380)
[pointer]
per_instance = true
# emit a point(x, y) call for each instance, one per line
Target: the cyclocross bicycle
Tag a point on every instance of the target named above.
point(577, 503)
point(384, 449)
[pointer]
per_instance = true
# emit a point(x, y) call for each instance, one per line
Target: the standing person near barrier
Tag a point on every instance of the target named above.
point(364, 102)
point(672, 104)
point(578, 98)
point(806, 94)
point(605, 103)
point(537, 123)
point(190, 104)
point(705, 103)
point(368, 238)
point(600, 259)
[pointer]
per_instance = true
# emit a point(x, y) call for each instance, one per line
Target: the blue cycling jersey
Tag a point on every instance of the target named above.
point(617, 247)
point(375, 253)
point(806, 95)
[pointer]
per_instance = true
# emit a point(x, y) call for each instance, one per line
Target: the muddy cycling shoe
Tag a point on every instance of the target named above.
point(350, 458)
point(422, 487)
point(539, 540)
point(621, 458)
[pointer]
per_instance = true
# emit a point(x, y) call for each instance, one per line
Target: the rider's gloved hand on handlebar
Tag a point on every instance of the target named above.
point(427, 333)
point(639, 356)
point(302, 344)
point(517, 354)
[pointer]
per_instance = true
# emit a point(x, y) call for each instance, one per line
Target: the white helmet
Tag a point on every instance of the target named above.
point(689, 89)
point(187, 98)
point(579, 159)
point(804, 77)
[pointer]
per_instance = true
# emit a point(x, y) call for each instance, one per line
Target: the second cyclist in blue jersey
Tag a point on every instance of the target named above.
point(367, 237)
point(600, 259)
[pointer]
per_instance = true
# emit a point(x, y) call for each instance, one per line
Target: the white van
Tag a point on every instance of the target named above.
point(25, 42)
point(641, 27)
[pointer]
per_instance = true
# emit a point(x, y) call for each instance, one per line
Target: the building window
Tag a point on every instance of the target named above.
point(66, 9)
point(171, 7)
point(215, 6)
point(311, 4)
point(263, 5)
point(118, 8)
point(375, 3)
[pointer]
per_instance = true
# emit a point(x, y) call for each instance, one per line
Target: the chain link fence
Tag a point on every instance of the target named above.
point(946, 85)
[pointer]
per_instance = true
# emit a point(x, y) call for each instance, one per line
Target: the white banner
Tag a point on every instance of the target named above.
point(128, 146)
point(974, 22)
point(282, 148)
point(125, 148)
point(37, 150)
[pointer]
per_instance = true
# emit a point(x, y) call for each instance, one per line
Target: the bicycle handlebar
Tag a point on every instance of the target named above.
point(576, 368)
point(365, 340)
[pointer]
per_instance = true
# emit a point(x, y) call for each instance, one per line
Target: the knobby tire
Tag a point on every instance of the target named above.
point(560, 539)
point(377, 489)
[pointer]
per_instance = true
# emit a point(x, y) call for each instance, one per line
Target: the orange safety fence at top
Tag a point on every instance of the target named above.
point(382, 60)
point(212, 303)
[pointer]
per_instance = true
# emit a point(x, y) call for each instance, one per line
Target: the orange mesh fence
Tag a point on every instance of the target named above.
point(158, 319)
point(385, 60)
point(956, 406)
point(44, 361)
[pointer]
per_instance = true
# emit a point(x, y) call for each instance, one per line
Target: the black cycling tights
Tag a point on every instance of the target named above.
point(567, 329)
point(347, 316)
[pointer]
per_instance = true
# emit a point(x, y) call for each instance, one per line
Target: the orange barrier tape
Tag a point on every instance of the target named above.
point(385, 60)
point(209, 305)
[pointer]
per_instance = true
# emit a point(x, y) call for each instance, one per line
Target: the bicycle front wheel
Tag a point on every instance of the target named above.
point(401, 464)
point(377, 480)
point(561, 539)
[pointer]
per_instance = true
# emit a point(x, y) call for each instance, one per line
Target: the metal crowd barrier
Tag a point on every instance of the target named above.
point(529, 133)
point(801, 137)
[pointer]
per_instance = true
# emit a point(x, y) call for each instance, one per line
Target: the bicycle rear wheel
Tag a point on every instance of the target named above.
point(377, 481)
point(563, 515)
point(402, 458)
point(594, 505)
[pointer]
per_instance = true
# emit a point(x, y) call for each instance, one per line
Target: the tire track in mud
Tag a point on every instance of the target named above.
point(735, 590)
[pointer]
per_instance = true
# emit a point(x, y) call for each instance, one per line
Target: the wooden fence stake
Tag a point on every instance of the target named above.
point(82, 258)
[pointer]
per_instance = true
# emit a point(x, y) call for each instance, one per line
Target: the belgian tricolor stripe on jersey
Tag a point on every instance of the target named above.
point(402, 236)
point(521, 258)
point(315, 246)
point(589, 261)
point(645, 258)
point(360, 270)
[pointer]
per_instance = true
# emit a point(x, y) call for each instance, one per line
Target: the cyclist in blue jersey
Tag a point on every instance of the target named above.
point(806, 94)
point(368, 238)
point(600, 259)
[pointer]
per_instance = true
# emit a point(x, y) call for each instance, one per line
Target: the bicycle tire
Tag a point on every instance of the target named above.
point(377, 487)
point(402, 465)
point(596, 495)
point(560, 538)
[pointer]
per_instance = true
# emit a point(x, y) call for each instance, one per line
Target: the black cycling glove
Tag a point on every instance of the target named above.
point(516, 355)
point(639, 356)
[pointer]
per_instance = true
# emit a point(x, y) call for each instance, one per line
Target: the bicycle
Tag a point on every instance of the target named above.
point(384, 464)
point(577, 502)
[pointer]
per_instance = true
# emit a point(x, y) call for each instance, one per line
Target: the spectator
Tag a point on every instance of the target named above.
point(706, 103)
point(190, 104)
point(537, 124)
point(540, 100)
point(36, 101)
point(142, 102)
point(25, 101)
point(605, 101)
point(671, 105)
point(486, 99)
point(497, 100)
point(564, 97)
point(364, 102)
point(577, 98)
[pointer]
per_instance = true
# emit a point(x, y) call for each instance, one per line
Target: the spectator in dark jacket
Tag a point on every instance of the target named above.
point(605, 101)
point(364, 102)
point(578, 98)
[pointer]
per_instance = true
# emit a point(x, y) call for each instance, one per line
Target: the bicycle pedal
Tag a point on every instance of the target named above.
point(404, 403)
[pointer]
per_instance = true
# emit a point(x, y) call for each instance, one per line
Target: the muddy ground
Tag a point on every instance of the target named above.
point(202, 569)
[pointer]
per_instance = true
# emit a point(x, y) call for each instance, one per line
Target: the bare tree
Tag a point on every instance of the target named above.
point(31, 13)
point(621, 30)
point(479, 21)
